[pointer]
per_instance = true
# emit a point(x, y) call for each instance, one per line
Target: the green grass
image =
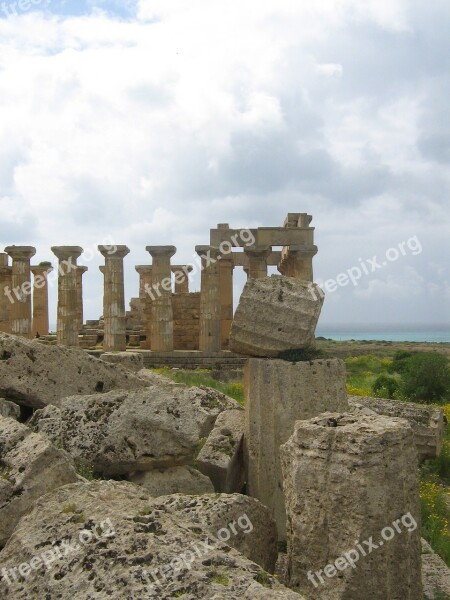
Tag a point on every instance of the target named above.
point(201, 377)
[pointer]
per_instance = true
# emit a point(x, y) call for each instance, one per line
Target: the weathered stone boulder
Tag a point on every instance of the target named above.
point(132, 361)
point(122, 432)
point(240, 521)
point(349, 481)
point(9, 409)
point(435, 575)
point(105, 540)
point(275, 314)
point(427, 422)
point(279, 393)
point(175, 480)
point(221, 458)
point(30, 466)
point(35, 374)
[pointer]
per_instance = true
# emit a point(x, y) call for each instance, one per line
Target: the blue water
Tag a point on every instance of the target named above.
point(393, 334)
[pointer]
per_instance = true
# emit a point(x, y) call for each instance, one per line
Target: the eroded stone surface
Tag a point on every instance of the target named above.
point(427, 421)
point(35, 374)
point(435, 574)
point(30, 466)
point(122, 432)
point(132, 361)
point(221, 458)
point(176, 480)
point(275, 314)
point(278, 394)
point(9, 409)
point(347, 478)
point(118, 563)
point(240, 521)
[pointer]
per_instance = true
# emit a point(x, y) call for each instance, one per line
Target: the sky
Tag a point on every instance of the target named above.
point(146, 122)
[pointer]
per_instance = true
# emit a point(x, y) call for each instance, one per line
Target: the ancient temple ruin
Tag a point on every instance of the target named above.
point(166, 316)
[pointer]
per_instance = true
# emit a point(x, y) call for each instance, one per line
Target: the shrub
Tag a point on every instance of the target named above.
point(385, 386)
point(400, 361)
point(426, 378)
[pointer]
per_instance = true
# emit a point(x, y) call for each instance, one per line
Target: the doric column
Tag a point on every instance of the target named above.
point(226, 268)
point(181, 278)
point(5, 290)
point(40, 298)
point(81, 270)
point(210, 308)
point(257, 261)
point(102, 271)
point(145, 279)
point(161, 296)
point(114, 299)
point(67, 327)
point(298, 262)
point(20, 314)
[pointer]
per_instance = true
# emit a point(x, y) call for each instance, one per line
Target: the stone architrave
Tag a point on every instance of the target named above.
point(40, 298)
point(161, 297)
point(210, 305)
point(114, 298)
point(20, 314)
point(67, 326)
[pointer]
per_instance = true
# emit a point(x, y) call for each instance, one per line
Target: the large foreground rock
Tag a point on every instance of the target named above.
point(275, 314)
point(241, 521)
point(435, 575)
point(427, 422)
point(352, 499)
point(221, 458)
point(35, 374)
point(105, 540)
point(277, 394)
point(176, 480)
point(121, 432)
point(30, 466)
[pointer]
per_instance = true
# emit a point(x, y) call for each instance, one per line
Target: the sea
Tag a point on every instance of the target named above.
point(390, 333)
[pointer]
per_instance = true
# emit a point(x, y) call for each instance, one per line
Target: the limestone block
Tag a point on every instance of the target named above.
point(427, 422)
point(278, 393)
point(435, 575)
point(275, 314)
point(254, 534)
point(9, 409)
point(221, 457)
point(35, 374)
point(30, 466)
point(121, 432)
point(131, 552)
point(175, 480)
point(132, 361)
point(350, 480)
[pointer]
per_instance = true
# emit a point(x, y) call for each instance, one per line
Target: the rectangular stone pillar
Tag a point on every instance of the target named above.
point(226, 270)
point(210, 307)
point(81, 270)
point(277, 394)
point(6, 297)
point(352, 498)
point(21, 289)
point(67, 325)
point(145, 307)
point(114, 299)
point(161, 297)
point(40, 299)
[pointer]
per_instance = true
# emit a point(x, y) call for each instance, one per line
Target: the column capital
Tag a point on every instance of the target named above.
point(67, 252)
point(306, 251)
point(208, 251)
point(143, 269)
point(102, 269)
point(258, 251)
point(158, 251)
point(41, 269)
point(20, 252)
point(113, 251)
point(81, 269)
point(184, 268)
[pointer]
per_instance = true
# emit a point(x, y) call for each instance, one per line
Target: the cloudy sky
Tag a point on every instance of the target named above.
point(149, 121)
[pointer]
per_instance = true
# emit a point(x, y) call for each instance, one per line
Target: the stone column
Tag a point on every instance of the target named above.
point(145, 279)
point(114, 299)
point(80, 272)
point(145, 306)
point(257, 261)
point(40, 298)
point(350, 480)
point(21, 288)
point(181, 278)
point(67, 327)
point(5, 301)
point(277, 394)
point(226, 269)
point(210, 306)
point(301, 262)
point(161, 297)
